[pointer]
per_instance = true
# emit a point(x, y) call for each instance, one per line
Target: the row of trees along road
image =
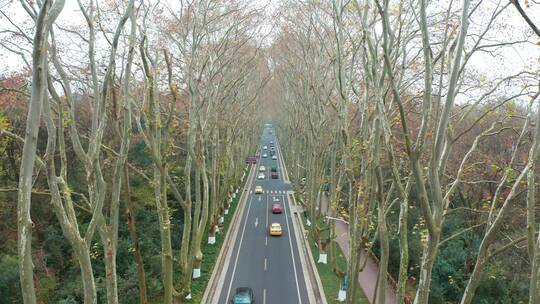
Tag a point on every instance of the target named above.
point(431, 159)
point(181, 81)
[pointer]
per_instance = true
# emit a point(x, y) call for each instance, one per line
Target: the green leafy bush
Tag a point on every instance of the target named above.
point(10, 290)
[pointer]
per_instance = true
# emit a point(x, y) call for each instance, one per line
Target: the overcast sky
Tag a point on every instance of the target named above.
point(511, 60)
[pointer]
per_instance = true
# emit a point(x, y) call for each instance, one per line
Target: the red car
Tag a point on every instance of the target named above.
point(276, 208)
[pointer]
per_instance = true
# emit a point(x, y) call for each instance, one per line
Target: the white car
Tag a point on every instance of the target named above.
point(274, 157)
point(265, 147)
point(265, 155)
point(260, 176)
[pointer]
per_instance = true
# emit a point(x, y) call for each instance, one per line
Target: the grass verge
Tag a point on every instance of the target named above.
point(330, 281)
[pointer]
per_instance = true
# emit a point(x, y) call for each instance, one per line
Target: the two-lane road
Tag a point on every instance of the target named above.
point(269, 265)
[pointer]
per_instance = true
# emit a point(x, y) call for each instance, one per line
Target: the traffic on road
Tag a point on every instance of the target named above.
point(265, 265)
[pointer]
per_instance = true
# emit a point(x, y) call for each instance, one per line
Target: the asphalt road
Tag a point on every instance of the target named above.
point(269, 265)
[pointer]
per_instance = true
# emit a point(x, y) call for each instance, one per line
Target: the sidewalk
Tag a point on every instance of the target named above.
point(368, 276)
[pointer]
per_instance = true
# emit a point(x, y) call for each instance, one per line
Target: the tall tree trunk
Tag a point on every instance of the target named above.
point(534, 254)
point(355, 197)
point(46, 17)
point(403, 247)
point(165, 231)
point(185, 265)
point(204, 214)
point(87, 275)
point(426, 267)
point(194, 263)
point(384, 241)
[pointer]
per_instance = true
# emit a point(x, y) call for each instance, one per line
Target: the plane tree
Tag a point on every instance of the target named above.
point(44, 17)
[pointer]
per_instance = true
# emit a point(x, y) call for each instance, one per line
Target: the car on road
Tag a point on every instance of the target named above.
point(272, 148)
point(262, 169)
point(258, 190)
point(277, 208)
point(265, 155)
point(265, 148)
point(274, 157)
point(274, 175)
point(273, 169)
point(275, 229)
point(243, 295)
point(261, 176)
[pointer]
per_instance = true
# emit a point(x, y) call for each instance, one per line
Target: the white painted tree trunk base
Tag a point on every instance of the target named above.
point(308, 222)
point(188, 297)
point(220, 220)
point(196, 273)
point(218, 230)
point(211, 240)
point(342, 295)
point(226, 211)
point(234, 195)
point(323, 258)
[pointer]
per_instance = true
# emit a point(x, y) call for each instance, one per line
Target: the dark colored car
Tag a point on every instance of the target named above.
point(274, 175)
point(276, 208)
point(273, 169)
point(243, 295)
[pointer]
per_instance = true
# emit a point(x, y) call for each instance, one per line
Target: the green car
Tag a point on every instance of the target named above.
point(243, 295)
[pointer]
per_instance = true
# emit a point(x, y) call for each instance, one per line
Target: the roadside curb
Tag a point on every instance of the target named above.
point(225, 252)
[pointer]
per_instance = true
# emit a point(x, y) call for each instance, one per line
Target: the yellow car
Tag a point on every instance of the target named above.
point(275, 229)
point(262, 169)
point(258, 190)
